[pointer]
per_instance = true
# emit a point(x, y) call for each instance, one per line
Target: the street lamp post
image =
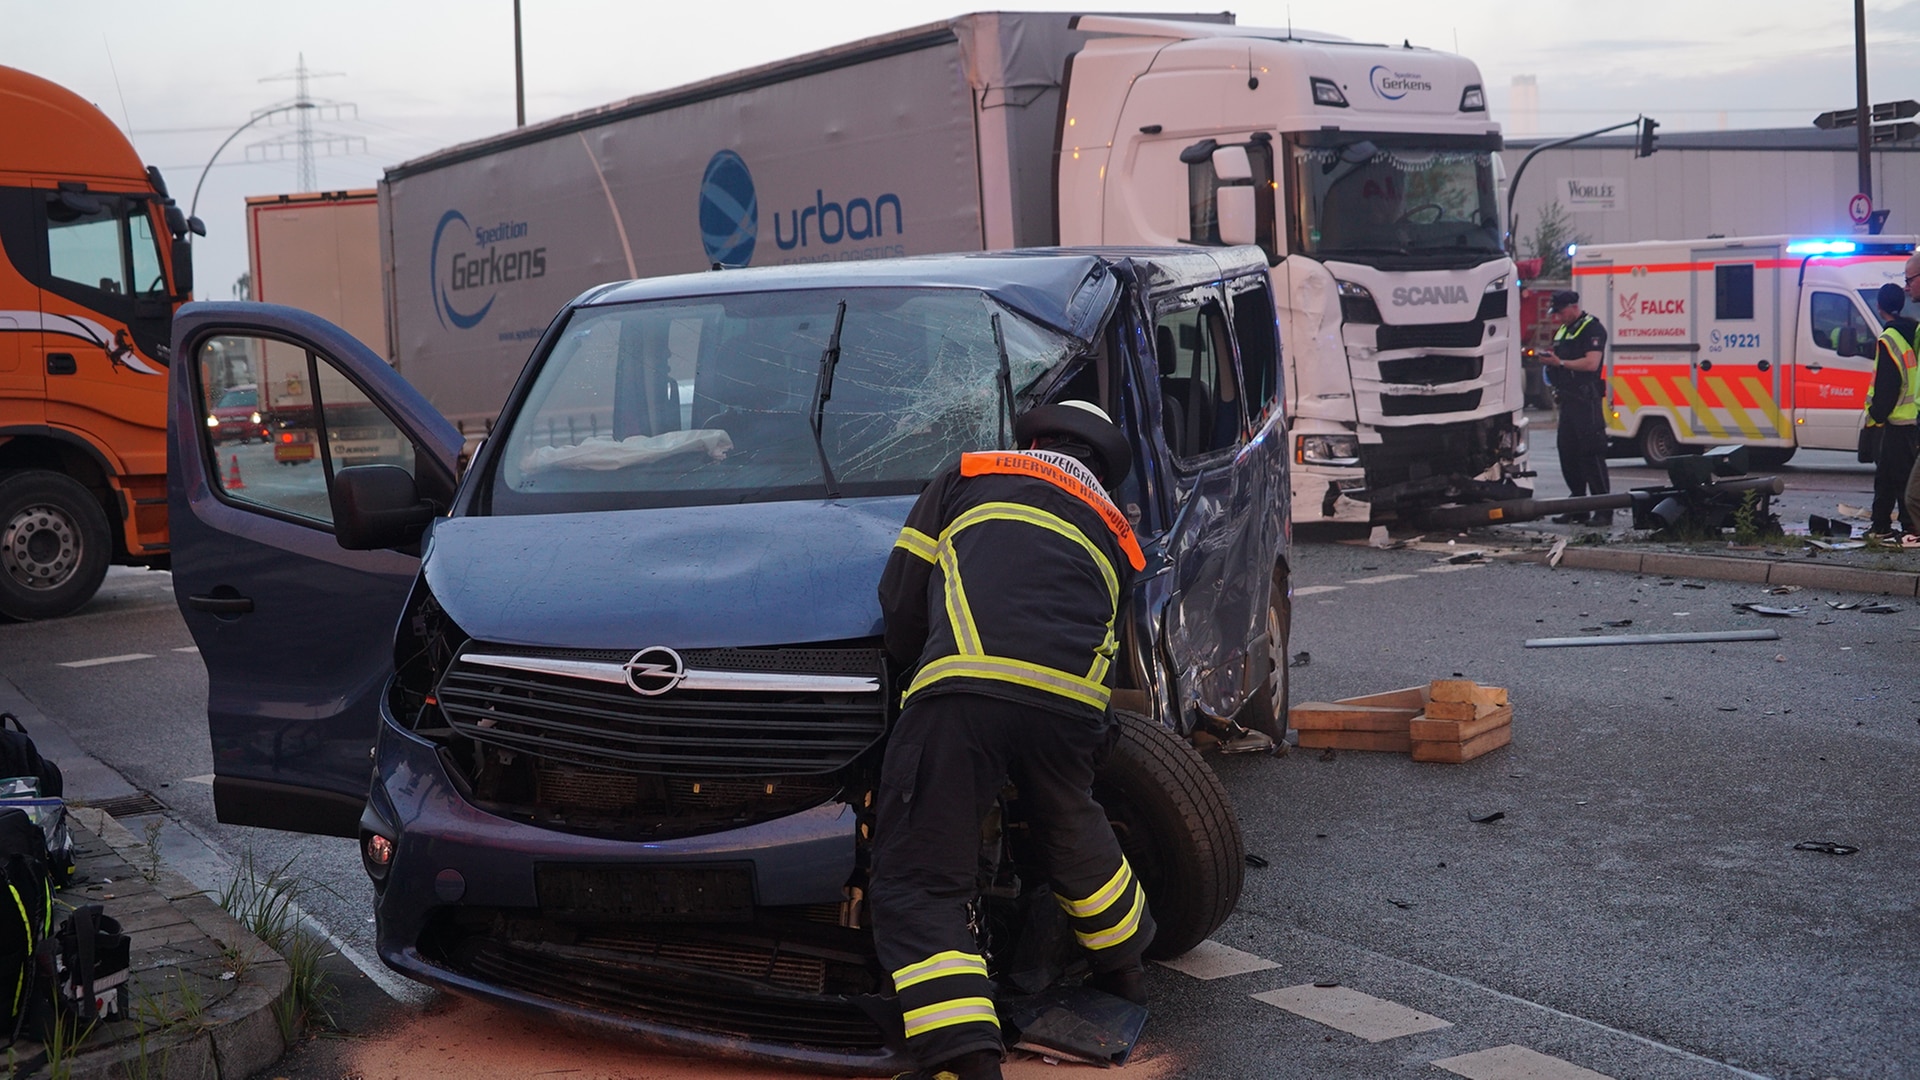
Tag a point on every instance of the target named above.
point(195, 204)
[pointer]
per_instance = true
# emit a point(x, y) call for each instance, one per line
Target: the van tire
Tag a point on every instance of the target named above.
point(1177, 829)
point(1266, 711)
point(55, 543)
point(1658, 444)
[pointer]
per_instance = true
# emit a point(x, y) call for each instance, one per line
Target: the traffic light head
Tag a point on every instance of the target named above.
point(1648, 140)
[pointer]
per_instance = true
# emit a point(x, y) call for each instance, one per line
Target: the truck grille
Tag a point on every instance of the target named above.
point(611, 731)
point(1430, 370)
point(1460, 335)
point(1428, 404)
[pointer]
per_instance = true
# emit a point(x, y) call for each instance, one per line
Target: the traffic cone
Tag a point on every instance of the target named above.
point(234, 483)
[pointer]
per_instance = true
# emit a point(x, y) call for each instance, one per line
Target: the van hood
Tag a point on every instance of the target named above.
point(685, 577)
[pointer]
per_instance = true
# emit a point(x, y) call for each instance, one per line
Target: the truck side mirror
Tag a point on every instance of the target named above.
point(1231, 164)
point(378, 506)
point(1238, 216)
point(182, 268)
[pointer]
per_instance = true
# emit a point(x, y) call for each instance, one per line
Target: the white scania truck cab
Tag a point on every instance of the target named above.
point(1371, 176)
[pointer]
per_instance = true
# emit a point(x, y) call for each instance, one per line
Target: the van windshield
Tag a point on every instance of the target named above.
point(1393, 200)
point(710, 399)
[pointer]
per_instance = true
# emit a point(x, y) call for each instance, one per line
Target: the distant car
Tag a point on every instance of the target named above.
point(623, 683)
point(236, 416)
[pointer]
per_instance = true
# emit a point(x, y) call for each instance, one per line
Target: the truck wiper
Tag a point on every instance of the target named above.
point(1006, 381)
point(822, 391)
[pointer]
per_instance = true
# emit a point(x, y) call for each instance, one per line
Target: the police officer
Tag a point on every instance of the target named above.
point(1573, 369)
point(1003, 589)
point(1892, 407)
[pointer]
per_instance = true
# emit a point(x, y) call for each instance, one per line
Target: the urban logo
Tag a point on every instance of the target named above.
point(1394, 85)
point(729, 211)
point(857, 220)
point(1430, 294)
point(493, 261)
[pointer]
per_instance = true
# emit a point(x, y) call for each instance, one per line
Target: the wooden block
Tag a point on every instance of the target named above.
point(1451, 690)
point(1489, 695)
point(1430, 728)
point(1332, 716)
point(1407, 697)
point(1454, 753)
point(1451, 710)
point(1355, 740)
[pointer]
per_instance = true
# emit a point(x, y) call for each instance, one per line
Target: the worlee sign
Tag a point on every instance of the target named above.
point(1590, 194)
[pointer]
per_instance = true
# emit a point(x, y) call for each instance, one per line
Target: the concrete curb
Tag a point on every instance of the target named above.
point(1758, 571)
point(237, 1036)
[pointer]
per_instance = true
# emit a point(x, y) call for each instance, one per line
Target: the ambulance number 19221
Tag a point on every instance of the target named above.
point(1717, 341)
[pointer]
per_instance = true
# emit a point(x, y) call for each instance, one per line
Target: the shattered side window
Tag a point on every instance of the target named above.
point(711, 399)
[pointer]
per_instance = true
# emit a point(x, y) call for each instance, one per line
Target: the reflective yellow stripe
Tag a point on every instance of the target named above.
point(938, 965)
point(26, 924)
point(915, 542)
point(968, 1010)
point(1019, 672)
point(1006, 511)
point(1107, 939)
point(1103, 658)
point(1102, 898)
point(966, 635)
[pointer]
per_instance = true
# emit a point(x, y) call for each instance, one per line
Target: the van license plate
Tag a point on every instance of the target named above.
point(646, 893)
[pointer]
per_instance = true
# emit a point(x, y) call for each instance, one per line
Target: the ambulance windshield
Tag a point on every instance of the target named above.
point(1393, 200)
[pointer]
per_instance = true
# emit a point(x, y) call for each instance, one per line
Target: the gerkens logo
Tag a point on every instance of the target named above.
point(492, 261)
point(1394, 85)
point(729, 211)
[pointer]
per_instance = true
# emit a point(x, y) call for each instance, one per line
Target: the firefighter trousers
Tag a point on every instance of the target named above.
point(1582, 442)
point(948, 759)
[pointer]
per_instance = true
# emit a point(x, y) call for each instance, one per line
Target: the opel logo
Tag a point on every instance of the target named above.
point(655, 670)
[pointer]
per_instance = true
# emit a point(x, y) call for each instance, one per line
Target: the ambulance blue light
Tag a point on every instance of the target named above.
point(1571, 248)
point(1822, 247)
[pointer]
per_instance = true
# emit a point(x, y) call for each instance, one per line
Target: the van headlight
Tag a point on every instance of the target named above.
point(1326, 449)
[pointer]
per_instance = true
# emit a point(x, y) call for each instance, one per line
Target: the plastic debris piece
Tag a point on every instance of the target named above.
point(1654, 639)
point(1475, 555)
point(1879, 609)
point(1401, 904)
point(1854, 512)
point(1488, 819)
point(1771, 610)
point(1326, 984)
point(1620, 622)
point(1301, 659)
point(1378, 538)
point(1728, 708)
point(1691, 585)
point(1826, 847)
point(1558, 552)
point(1782, 590)
point(1257, 862)
point(1838, 606)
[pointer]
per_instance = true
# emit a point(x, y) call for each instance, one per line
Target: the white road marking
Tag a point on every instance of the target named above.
point(188, 648)
point(1516, 1063)
point(1315, 590)
point(99, 660)
point(1212, 960)
point(206, 779)
point(1371, 1018)
point(1448, 568)
point(1380, 580)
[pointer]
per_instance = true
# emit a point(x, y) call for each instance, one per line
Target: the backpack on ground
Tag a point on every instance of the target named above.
point(91, 958)
point(19, 757)
point(26, 906)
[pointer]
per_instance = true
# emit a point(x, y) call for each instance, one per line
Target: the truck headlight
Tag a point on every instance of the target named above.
point(256, 418)
point(1498, 284)
point(1356, 303)
point(1326, 449)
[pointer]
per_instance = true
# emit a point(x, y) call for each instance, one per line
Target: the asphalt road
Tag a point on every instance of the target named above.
point(1639, 911)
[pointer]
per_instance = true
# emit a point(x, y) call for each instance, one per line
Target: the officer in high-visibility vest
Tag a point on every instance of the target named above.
point(1573, 369)
point(1002, 593)
point(1893, 405)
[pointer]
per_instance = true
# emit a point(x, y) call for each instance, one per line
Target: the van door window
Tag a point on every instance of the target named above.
point(1831, 313)
point(315, 423)
point(1199, 389)
point(1255, 328)
point(1733, 291)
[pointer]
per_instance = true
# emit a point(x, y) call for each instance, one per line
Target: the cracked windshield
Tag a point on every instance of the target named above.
point(1368, 202)
point(713, 399)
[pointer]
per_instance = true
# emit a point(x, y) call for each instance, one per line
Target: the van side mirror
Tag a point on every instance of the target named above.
point(378, 506)
point(1850, 343)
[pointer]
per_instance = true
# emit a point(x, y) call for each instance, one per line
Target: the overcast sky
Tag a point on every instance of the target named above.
point(423, 74)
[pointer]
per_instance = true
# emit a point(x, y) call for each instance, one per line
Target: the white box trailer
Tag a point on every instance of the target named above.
point(1738, 340)
point(1368, 172)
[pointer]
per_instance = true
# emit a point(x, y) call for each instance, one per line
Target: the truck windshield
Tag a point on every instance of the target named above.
point(709, 399)
point(1391, 201)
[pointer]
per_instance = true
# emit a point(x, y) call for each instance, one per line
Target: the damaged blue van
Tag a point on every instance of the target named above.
point(605, 708)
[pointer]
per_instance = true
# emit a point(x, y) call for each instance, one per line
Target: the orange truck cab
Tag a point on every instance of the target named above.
point(93, 261)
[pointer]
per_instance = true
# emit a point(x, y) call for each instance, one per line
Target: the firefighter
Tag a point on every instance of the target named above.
point(1891, 407)
point(1573, 368)
point(1002, 591)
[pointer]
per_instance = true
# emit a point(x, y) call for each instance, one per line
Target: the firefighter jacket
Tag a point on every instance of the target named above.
point(1006, 580)
point(1894, 396)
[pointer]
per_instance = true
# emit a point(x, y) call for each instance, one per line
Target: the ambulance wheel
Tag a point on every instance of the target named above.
point(1657, 443)
point(1266, 710)
point(54, 545)
point(1178, 831)
point(1769, 457)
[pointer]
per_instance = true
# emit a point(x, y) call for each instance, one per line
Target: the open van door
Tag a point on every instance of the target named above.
point(296, 632)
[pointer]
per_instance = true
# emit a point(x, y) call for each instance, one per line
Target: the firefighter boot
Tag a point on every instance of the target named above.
point(1129, 983)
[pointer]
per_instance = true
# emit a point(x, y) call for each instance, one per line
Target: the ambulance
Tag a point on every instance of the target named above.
point(1763, 341)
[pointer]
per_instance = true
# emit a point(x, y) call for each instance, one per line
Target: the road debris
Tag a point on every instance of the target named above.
point(1378, 538)
point(1447, 720)
point(1827, 847)
point(1838, 606)
point(1879, 609)
point(1475, 555)
point(1401, 904)
point(1258, 862)
point(1301, 659)
point(1487, 819)
point(1826, 526)
point(1841, 545)
point(1558, 552)
point(1619, 623)
point(1654, 639)
point(1781, 590)
point(1771, 610)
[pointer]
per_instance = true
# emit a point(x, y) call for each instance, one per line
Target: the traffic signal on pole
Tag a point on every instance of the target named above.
point(1648, 141)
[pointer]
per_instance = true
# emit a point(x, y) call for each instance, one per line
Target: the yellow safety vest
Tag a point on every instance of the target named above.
point(1907, 409)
